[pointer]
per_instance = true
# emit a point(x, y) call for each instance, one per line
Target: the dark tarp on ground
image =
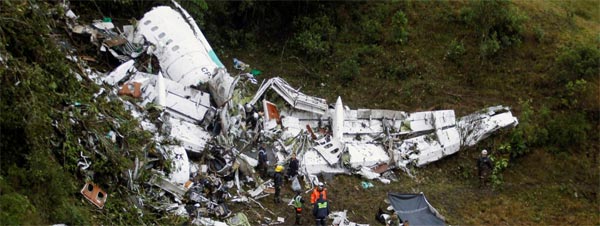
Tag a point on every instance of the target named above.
point(415, 209)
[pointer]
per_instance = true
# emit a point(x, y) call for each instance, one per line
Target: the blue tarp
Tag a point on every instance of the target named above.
point(415, 209)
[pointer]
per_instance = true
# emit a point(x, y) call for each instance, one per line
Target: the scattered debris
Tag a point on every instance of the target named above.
point(94, 194)
point(340, 219)
point(366, 184)
point(206, 133)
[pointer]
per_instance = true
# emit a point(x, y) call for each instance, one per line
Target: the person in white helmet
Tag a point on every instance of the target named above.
point(317, 192)
point(484, 167)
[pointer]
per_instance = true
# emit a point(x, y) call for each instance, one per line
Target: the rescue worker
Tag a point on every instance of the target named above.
point(293, 167)
point(484, 166)
point(321, 211)
point(319, 191)
point(251, 116)
point(298, 203)
point(278, 181)
point(262, 162)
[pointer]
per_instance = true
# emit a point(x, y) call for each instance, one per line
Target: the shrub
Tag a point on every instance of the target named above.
point(349, 69)
point(15, 209)
point(529, 133)
point(314, 37)
point(579, 61)
point(489, 46)
point(574, 93)
point(568, 130)
point(399, 28)
point(197, 9)
point(455, 51)
point(497, 23)
point(500, 164)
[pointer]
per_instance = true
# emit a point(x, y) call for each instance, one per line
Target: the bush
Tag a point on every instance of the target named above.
point(579, 61)
point(315, 36)
point(497, 23)
point(371, 30)
point(529, 133)
point(574, 93)
point(16, 209)
point(349, 69)
point(399, 28)
point(455, 51)
point(568, 130)
point(558, 131)
point(489, 47)
point(500, 164)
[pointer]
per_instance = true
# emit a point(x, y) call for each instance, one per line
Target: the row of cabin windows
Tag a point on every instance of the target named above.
point(162, 35)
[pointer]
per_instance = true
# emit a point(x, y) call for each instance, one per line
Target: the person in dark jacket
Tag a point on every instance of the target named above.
point(485, 167)
point(278, 181)
point(293, 167)
point(262, 162)
point(321, 211)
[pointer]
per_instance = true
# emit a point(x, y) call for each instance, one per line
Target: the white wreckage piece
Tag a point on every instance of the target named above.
point(184, 54)
point(293, 96)
point(362, 139)
point(185, 108)
point(340, 218)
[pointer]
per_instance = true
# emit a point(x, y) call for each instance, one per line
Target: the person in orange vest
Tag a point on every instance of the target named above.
point(317, 192)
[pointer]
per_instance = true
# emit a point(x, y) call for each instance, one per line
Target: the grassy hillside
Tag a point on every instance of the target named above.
point(545, 181)
point(541, 58)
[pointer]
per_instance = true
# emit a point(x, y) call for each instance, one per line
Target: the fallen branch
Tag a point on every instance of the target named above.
point(261, 206)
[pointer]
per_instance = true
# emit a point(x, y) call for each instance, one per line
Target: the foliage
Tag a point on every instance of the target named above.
point(496, 22)
point(197, 9)
point(455, 51)
point(500, 164)
point(489, 46)
point(575, 92)
point(401, 69)
point(372, 30)
point(48, 118)
point(400, 28)
point(528, 133)
point(569, 131)
point(540, 34)
point(558, 131)
point(348, 70)
point(578, 61)
point(16, 209)
point(315, 37)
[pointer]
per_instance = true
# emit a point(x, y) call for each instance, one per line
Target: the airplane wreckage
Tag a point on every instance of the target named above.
point(203, 112)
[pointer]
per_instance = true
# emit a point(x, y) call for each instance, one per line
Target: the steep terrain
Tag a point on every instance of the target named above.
point(542, 58)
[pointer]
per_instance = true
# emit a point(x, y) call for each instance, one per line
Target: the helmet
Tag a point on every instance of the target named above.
point(321, 184)
point(484, 152)
point(279, 168)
